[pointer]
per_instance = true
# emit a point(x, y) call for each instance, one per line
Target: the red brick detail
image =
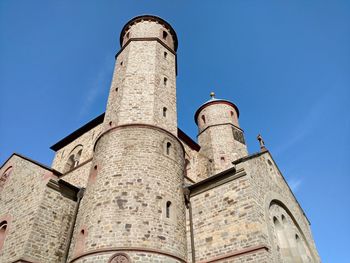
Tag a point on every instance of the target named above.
point(80, 242)
point(5, 222)
point(121, 249)
point(4, 177)
point(119, 258)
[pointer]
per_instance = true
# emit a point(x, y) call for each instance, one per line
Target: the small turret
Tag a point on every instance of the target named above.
point(219, 135)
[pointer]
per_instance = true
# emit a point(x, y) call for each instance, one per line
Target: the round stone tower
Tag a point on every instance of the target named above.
point(133, 209)
point(219, 135)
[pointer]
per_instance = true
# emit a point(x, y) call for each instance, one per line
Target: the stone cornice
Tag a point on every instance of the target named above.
point(66, 189)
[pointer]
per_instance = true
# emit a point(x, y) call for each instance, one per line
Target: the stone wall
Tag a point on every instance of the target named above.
point(78, 176)
point(125, 201)
point(20, 200)
point(220, 138)
point(143, 86)
point(50, 234)
point(224, 220)
point(86, 140)
point(271, 188)
point(196, 165)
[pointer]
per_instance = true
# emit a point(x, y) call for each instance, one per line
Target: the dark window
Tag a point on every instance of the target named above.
point(164, 112)
point(168, 146)
point(168, 204)
point(3, 227)
point(165, 35)
point(165, 54)
point(165, 81)
point(203, 118)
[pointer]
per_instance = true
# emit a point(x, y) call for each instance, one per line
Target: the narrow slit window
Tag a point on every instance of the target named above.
point(165, 35)
point(222, 159)
point(77, 158)
point(168, 205)
point(203, 118)
point(128, 35)
point(3, 227)
point(165, 54)
point(165, 81)
point(164, 112)
point(168, 146)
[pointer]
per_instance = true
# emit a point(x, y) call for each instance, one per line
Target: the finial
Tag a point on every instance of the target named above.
point(212, 95)
point(262, 143)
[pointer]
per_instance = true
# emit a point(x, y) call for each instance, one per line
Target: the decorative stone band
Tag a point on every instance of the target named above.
point(77, 167)
point(237, 253)
point(24, 259)
point(149, 39)
point(152, 18)
point(141, 125)
point(126, 249)
point(227, 123)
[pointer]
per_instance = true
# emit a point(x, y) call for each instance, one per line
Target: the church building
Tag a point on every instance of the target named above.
point(130, 186)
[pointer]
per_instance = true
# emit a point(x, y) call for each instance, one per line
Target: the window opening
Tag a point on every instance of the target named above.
point(164, 112)
point(3, 227)
point(203, 118)
point(168, 204)
point(165, 35)
point(168, 146)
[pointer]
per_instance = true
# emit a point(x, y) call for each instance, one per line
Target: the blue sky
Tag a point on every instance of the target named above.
point(286, 64)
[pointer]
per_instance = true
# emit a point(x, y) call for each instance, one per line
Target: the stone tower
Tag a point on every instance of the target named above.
point(134, 208)
point(115, 191)
point(219, 135)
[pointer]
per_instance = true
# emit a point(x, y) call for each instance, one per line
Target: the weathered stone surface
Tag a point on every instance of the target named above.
point(149, 194)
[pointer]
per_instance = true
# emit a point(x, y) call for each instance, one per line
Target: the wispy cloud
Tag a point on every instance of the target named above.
point(306, 125)
point(295, 184)
point(98, 85)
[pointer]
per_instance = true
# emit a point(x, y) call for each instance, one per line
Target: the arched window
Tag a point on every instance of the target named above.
point(168, 146)
point(3, 228)
point(70, 163)
point(4, 177)
point(187, 167)
point(164, 112)
point(165, 81)
point(203, 118)
point(165, 35)
point(284, 220)
point(282, 239)
point(167, 211)
point(77, 158)
point(222, 159)
point(73, 159)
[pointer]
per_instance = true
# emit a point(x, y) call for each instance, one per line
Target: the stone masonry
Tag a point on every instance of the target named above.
point(130, 186)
